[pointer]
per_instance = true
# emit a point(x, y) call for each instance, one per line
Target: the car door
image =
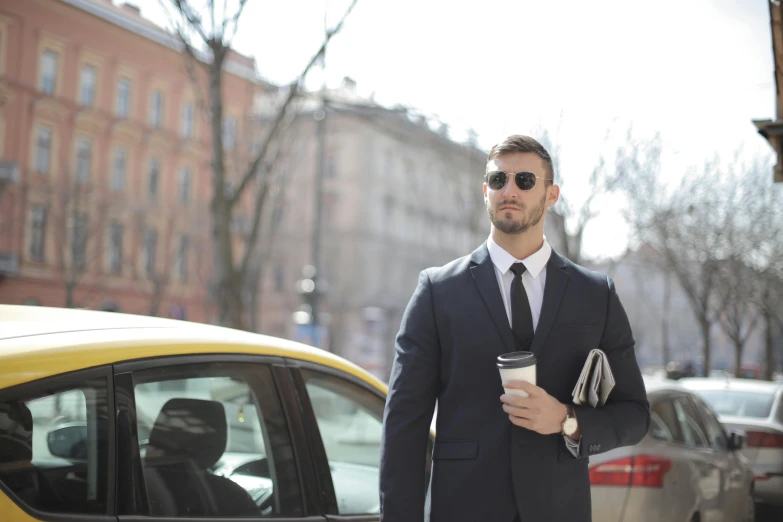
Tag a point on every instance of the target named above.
point(710, 469)
point(735, 491)
point(344, 416)
point(682, 489)
point(56, 450)
point(208, 437)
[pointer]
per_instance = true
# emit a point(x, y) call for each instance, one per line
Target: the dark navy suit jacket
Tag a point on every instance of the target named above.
point(484, 467)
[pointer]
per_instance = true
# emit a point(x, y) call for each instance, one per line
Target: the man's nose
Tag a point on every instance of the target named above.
point(510, 188)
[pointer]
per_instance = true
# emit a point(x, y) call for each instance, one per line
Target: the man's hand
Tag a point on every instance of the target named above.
point(540, 412)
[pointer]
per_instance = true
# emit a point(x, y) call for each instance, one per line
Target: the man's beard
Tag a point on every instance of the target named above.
point(509, 225)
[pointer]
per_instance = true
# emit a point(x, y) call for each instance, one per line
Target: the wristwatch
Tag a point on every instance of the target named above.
point(569, 425)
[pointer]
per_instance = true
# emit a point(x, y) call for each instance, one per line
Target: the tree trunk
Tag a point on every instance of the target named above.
point(707, 347)
point(70, 286)
point(738, 349)
point(228, 284)
point(665, 349)
point(770, 345)
point(157, 291)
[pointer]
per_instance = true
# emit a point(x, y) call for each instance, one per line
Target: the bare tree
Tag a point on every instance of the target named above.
point(685, 225)
point(157, 253)
point(289, 158)
point(214, 29)
point(571, 219)
point(77, 217)
point(761, 249)
point(739, 316)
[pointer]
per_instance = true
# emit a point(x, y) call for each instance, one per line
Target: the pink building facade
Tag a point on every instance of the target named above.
point(104, 160)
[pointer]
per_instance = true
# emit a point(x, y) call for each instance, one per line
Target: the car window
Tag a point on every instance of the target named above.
point(690, 423)
point(349, 420)
point(664, 410)
point(713, 428)
point(739, 403)
point(54, 447)
point(214, 442)
point(658, 429)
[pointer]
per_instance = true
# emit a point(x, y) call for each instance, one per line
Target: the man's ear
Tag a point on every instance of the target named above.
point(484, 189)
point(553, 194)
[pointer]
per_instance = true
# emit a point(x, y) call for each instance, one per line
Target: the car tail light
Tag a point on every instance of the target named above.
point(763, 439)
point(644, 471)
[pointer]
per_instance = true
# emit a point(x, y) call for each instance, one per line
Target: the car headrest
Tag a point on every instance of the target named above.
point(16, 430)
point(191, 428)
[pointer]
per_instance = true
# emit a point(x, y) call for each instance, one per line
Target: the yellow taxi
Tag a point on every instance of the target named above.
point(107, 417)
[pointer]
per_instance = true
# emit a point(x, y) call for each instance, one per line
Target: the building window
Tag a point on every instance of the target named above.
point(229, 133)
point(122, 108)
point(43, 150)
point(37, 232)
point(156, 109)
point(118, 172)
point(154, 178)
point(184, 185)
point(116, 231)
point(89, 78)
point(48, 80)
point(187, 121)
point(150, 251)
point(79, 246)
point(182, 258)
point(83, 159)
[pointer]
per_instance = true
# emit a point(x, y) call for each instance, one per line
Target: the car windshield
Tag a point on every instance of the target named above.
point(739, 403)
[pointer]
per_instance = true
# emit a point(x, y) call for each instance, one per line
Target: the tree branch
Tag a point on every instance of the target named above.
point(260, 197)
point(283, 109)
point(183, 6)
point(235, 21)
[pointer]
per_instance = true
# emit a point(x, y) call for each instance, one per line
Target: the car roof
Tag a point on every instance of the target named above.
point(730, 383)
point(37, 342)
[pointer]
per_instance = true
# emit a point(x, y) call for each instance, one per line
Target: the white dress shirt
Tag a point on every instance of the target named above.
point(534, 281)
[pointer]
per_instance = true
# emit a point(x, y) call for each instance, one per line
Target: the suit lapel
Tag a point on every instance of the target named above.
point(556, 282)
point(483, 272)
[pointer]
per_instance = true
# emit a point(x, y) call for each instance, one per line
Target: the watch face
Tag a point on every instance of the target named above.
point(569, 427)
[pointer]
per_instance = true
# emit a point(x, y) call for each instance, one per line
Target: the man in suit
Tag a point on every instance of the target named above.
point(498, 457)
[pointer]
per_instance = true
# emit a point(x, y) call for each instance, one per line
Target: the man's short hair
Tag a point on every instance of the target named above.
point(520, 143)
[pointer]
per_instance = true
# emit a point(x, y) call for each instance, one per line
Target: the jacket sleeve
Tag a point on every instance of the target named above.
point(625, 418)
point(413, 388)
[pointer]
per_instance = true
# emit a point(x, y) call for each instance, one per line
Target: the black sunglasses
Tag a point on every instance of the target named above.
point(524, 180)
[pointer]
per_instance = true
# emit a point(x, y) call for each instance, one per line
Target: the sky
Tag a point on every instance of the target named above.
point(695, 71)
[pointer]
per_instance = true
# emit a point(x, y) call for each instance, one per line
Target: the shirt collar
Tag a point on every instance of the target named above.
point(534, 263)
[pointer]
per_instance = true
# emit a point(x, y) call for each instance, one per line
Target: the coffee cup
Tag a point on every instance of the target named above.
point(517, 366)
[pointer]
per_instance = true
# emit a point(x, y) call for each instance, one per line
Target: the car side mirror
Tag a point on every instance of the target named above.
point(736, 440)
point(68, 442)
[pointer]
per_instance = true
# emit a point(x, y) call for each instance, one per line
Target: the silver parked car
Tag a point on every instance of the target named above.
point(756, 407)
point(687, 468)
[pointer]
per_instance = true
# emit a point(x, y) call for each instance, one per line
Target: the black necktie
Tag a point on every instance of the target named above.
point(521, 318)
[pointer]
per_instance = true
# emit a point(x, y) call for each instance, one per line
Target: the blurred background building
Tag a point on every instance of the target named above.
point(398, 196)
point(772, 130)
point(104, 176)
